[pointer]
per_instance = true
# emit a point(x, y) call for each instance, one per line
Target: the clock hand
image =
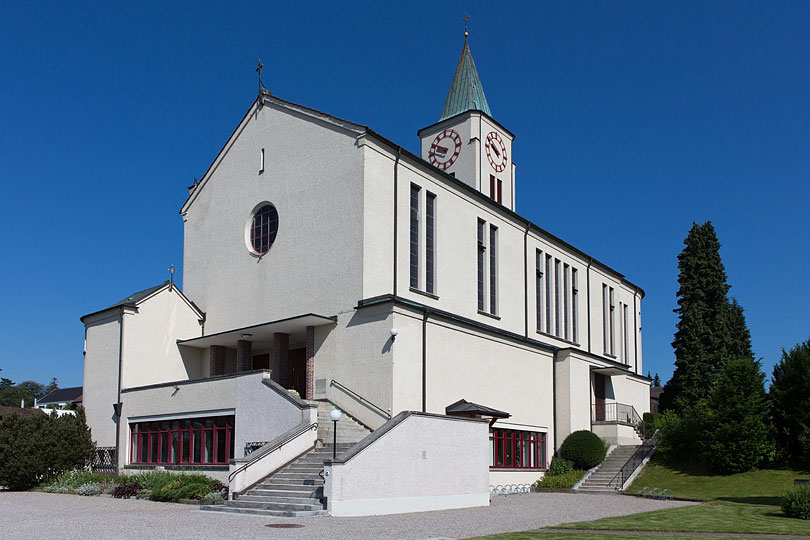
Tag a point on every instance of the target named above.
point(440, 148)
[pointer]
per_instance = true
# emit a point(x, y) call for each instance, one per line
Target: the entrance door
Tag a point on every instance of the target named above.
point(599, 396)
point(298, 370)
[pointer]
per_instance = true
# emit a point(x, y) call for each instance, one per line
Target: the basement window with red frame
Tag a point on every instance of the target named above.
point(192, 441)
point(515, 449)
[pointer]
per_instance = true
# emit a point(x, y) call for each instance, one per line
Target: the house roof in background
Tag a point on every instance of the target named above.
point(61, 395)
point(22, 412)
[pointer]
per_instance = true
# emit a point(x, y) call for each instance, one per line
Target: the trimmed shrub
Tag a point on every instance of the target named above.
point(796, 502)
point(125, 491)
point(584, 449)
point(561, 481)
point(169, 487)
point(89, 489)
point(35, 449)
point(559, 467)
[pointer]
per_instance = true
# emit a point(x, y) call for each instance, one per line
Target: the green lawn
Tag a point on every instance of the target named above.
point(755, 487)
point(587, 536)
point(746, 503)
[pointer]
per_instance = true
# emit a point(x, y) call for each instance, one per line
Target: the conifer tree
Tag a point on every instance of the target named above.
point(703, 335)
point(736, 437)
point(790, 393)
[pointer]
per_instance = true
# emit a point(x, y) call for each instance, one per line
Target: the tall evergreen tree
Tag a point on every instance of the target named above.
point(735, 434)
point(703, 331)
point(790, 393)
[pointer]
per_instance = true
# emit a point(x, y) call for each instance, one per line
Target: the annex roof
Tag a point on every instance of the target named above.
point(137, 297)
point(464, 407)
point(61, 395)
point(261, 334)
point(466, 92)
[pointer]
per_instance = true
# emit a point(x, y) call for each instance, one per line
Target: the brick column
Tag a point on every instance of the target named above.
point(244, 355)
point(310, 391)
point(281, 358)
point(216, 364)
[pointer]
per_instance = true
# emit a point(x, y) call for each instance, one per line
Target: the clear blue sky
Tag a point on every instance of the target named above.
point(633, 119)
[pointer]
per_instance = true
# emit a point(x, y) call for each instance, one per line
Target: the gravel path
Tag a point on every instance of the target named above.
point(47, 515)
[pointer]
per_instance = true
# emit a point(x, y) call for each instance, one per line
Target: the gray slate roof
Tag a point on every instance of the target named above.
point(463, 406)
point(61, 395)
point(134, 298)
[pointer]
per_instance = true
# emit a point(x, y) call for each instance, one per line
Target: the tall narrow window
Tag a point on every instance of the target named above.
point(566, 300)
point(500, 191)
point(548, 294)
point(605, 316)
point(415, 235)
point(538, 288)
point(574, 293)
point(430, 243)
point(612, 324)
point(493, 269)
point(492, 187)
point(626, 336)
point(261, 161)
point(481, 252)
point(557, 297)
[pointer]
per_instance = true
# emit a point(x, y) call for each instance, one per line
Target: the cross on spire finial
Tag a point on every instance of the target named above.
point(465, 19)
point(258, 70)
point(171, 276)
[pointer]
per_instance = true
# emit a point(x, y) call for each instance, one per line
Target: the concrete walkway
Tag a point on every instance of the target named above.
point(47, 515)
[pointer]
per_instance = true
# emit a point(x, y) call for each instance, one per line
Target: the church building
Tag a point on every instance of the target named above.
point(327, 267)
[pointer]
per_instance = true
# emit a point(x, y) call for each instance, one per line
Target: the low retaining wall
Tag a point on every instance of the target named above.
point(415, 462)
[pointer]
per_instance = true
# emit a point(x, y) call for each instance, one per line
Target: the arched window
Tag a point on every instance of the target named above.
point(264, 228)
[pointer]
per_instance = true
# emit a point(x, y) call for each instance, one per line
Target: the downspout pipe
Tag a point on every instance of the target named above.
point(635, 328)
point(117, 405)
point(425, 315)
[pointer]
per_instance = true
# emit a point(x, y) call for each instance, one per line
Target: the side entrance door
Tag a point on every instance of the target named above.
point(599, 396)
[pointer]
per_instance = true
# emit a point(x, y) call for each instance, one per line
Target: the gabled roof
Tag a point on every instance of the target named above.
point(464, 407)
point(466, 92)
point(61, 395)
point(137, 297)
point(22, 412)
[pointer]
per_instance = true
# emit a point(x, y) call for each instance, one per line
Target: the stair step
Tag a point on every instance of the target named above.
point(273, 499)
point(300, 493)
point(261, 512)
point(262, 505)
point(289, 486)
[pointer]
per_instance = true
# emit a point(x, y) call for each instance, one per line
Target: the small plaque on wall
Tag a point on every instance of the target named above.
point(320, 386)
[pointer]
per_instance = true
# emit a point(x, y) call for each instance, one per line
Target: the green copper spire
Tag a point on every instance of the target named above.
point(466, 92)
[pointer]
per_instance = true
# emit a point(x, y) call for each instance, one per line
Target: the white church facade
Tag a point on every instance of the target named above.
point(323, 258)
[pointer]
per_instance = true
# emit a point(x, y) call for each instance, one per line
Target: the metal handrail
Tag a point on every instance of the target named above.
point(256, 456)
point(620, 412)
point(345, 388)
point(642, 452)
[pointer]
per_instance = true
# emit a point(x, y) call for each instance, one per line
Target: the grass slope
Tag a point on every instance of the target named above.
point(588, 536)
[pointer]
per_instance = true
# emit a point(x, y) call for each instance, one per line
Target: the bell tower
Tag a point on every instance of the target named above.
point(467, 142)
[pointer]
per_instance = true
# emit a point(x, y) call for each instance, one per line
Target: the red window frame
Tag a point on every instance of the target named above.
point(517, 449)
point(187, 441)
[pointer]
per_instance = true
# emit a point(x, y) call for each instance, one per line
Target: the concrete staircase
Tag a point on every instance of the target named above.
point(597, 482)
point(297, 489)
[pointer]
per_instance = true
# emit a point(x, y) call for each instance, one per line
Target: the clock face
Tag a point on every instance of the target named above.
point(496, 151)
point(444, 149)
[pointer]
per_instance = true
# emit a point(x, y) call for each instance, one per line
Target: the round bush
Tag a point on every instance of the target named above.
point(89, 489)
point(796, 502)
point(584, 449)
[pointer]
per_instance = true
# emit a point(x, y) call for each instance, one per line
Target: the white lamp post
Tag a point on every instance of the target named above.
point(335, 416)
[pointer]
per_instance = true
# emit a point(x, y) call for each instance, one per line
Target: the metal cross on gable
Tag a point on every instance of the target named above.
point(258, 70)
point(171, 276)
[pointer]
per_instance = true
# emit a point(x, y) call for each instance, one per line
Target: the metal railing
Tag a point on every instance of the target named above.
point(642, 452)
point(256, 456)
point(618, 412)
point(377, 408)
point(104, 460)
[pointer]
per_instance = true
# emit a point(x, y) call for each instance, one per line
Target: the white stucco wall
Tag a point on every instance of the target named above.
point(315, 264)
point(151, 354)
point(100, 386)
point(423, 463)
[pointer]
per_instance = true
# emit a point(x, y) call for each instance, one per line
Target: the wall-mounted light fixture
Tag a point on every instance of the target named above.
point(394, 333)
point(246, 336)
